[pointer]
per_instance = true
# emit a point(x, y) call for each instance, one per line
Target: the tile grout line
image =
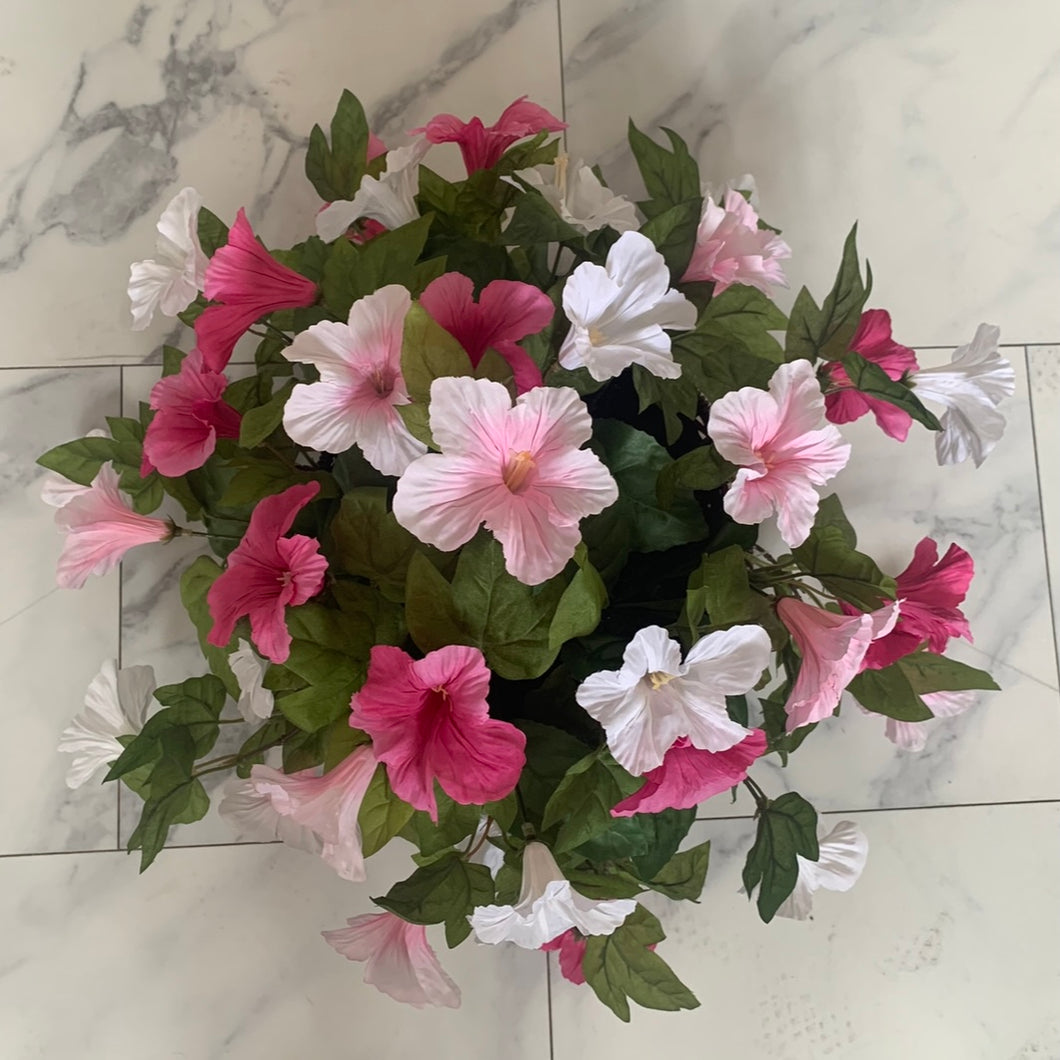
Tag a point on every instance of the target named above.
point(1041, 507)
point(122, 850)
point(548, 994)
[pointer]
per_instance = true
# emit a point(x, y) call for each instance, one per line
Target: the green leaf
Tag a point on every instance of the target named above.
point(670, 177)
point(674, 233)
point(621, 967)
point(213, 233)
point(582, 802)
point(578, 611)
point(717, 366)
point(550, 753)
point(786, 827)
point(701, 469)
point(195, 583)
point(683, 876)
point(675, 398)
point(889, 692)
point(746, 315)
point(336, 170)
point(445, 891)
point(830, 513)
point(172, 358)
point(871, 380)
point(429, 352)
point(535, 221)
point(603, 882)
point(260, 422)
point(252, 751)
point(382, 814)
point(720, 588)
point(849, 574)
point(455, 823)
point(666, 831)
point(266, 477)
point(778, 739)
point(81, 459)
point(195, 702)
point(928, 672)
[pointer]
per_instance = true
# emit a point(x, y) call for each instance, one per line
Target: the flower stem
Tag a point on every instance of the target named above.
point(471, 851)
point(184, 531)
point(760, 797)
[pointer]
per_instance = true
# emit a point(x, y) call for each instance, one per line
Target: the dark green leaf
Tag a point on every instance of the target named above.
point(446, 890)
point(259, 423)
point(871, 380)
point(582, 802)
point(195, 583)
point(382, 814)
point(578, 611)
point(675, 398)
point(674, 233)
point(670, 177)
point(252, 752)
point(701, 469)
point(786, 827)
point(213, 233)
point(550, 753)
point(536, 222)
point(429, 352)
point(889, 692)
point(851, 575)
point(683, 876)
point(928, 672)
point(720, 589)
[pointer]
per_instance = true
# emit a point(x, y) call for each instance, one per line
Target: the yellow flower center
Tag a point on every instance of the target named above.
point(658, 678)
point(596, 336)
point(518, 470)
point(561, 174)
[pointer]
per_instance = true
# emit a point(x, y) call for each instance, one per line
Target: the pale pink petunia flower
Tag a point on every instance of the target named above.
point(326, 804)
point(399, 960)
point(249, 283)
point(520, 470)
point(874, 342)
point(689, 776)
point(571, 945)
point(832, 649)
point(483, 145)
point(267, 573)
point(506, 313)
point(100, 528)
point(355, 401)
point(731, 248)
point(190, 415)
point(251, 817)
point(429, 721)
point(783, 451)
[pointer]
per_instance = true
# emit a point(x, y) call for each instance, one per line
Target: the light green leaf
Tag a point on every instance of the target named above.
point(382, 814)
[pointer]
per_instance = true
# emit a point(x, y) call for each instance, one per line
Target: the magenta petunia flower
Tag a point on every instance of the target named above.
point(781, 448)
point(249, 283)
point(399, 959)
point(689, 776)
point(100, 528)
point(930, 592)
point(267, 573)
point(832, 648)
point(519, 470)
point(482, 145)
point(505, 313)
point(874, 342)
point(429, 720)
point(731, 248)
point(571, 945)
point(190, 417)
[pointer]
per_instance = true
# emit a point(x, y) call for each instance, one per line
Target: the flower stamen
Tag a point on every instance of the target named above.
point(658, 678)
point(518, 469)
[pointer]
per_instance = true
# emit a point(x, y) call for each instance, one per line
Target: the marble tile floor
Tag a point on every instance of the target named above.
point(931, 122)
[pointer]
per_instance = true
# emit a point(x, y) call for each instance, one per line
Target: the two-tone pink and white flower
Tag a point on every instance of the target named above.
point(656, 697)
point(399, 961)
point(547, 907)
point(619, 312)
point(783, 450)
point(171, 281)
point(355, 400)
point(520, 470)
point(842, 856)
point(252, 817)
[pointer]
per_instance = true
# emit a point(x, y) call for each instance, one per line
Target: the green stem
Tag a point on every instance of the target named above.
point(279, 333)
point(471, 851)
point(286, 461)
point(760, 797)
point(184, 531)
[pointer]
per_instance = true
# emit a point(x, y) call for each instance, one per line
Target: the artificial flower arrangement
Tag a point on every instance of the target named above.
point(484, 522)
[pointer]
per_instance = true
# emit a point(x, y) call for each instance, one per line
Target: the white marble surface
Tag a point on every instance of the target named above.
point(1043, 363)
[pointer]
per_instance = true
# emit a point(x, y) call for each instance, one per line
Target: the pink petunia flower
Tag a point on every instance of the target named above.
point(689, 776)
point(730, 247)
point(327, 804)
point(190, 418)
point(100, 528)
point(376, 147)
point(248, 282)
point(783, 452)
point(429, 720)
point(930, 591)
point(519, 470)
point(874, 342)
point(505, 313)
point(355, 400)
point(832, 648)
point(572, 945)
point(267, 573)
point(482, 145)
point(399, 959)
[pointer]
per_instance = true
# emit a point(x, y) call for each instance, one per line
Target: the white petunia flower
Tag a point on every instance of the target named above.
point(578, 195)
point(842, 856)
point(618, 312)
point(115, 705)
point(912, 735)
point(255, 702)
point(655, 698)
point(251, 816)
point(389, 199)
point(170, 281)
point(547, 907)
point(970, 387)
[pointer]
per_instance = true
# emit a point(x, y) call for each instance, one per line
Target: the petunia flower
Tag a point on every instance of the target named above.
point(781, 448)
point(519, 470)
point(190, 416)
point(843, 853)
point(327, 804)
point(251, 817)
point(267, 573)
point(116, 705)
point(483, 145)
point(429, 721)
point(100, 528)
point(874, 342)
point(57, 490)
point(255, 701)
point(912, 735)
point(689, 776)
point(578, 195)
point(970, 387)
point(832, 648)
point(571, 946)
point(731, 248)
point(618, 312)
point(506, 312)
point(399, 959)
point(655, 698)
point(929, 593)
point(355, 402)
point(547, 907)
point(171, 281)
point(249, 283)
